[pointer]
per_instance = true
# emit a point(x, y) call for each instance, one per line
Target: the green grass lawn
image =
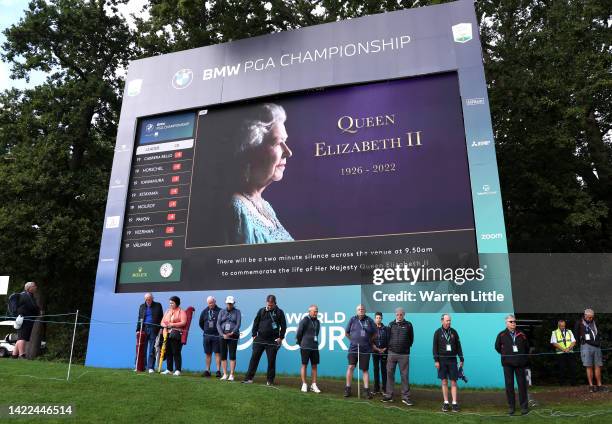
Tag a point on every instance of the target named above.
point(109, 395)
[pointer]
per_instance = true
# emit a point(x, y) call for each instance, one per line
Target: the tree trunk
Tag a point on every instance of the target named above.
point(33, 346)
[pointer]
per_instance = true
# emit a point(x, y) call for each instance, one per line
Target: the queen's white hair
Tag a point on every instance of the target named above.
point(255, 129)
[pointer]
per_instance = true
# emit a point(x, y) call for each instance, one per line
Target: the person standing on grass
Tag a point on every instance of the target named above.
point(269, 330)
point(380, 353)
point(307, 337)
point(361, 331)
point(513, 347)
point(590, 349)
point(28, 309)
point(401, 338)
point(150, 315)
point(446, 348)
point(562, 339)
point(228, 328)
point(208, 324)
point(173, 324)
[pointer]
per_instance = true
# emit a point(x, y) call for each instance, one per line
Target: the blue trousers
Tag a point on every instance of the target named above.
point(151, 334)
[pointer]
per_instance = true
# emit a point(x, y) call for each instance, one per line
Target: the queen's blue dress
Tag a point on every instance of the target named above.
point(250, 228)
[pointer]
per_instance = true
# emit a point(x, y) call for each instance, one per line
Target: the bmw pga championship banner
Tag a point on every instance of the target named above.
point(339, 164)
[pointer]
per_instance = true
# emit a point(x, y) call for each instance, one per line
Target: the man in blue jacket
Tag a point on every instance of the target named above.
point(208, 324)
point(150, 315)
point(360, 330)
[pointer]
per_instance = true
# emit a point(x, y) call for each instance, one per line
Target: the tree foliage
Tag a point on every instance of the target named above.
point(57, 143)
point(548, 65)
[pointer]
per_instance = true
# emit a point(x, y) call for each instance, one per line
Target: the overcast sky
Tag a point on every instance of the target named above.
point(11, 11)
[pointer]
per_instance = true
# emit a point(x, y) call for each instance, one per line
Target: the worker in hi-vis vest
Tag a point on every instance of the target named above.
point(563, 341)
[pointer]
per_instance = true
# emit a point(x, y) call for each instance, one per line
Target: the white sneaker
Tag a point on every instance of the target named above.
point(177, 373)
point(151, 370)
point(224, 377)
point(135, 369)
point(314, 388)
point(304, 387)
point(166, 372)
point(231, 377)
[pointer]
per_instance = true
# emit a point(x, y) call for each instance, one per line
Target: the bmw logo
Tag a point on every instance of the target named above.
point(182, 79)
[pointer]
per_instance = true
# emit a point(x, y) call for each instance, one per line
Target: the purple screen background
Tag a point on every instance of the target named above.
point(430, 189)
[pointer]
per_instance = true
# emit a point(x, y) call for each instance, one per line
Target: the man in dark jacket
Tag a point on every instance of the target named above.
point(401, 337)
point(380, 353)
point(27, 308)
point(308, 336)
point(150, 315)
point(513, 347)
point(269, 330)
point(208, 324)
point(446, 348)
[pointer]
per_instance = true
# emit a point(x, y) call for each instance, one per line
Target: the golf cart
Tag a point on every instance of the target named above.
point(7, 344)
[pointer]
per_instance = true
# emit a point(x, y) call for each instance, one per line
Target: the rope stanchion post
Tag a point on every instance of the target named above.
point(358, 375)
point(138, 350)
point(76, 319)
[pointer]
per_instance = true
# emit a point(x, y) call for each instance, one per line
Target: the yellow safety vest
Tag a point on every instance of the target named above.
point(565, 342)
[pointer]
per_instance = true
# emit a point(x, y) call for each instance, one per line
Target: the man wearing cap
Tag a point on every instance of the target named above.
point(150, 315)
point(562, 339)
point(269, 330)
point(446, 348)
point(513, 347)
point(208, 324)
point(590, 349)
point(361, 331)
point(228, 327)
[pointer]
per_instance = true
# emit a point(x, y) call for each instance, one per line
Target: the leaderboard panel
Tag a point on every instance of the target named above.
point(157, 201)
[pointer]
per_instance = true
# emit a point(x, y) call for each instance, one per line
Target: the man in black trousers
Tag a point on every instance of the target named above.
point(513, 347)
point(269, 330)
point(379, 355)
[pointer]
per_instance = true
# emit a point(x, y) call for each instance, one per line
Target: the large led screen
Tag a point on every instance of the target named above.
point(313, 188)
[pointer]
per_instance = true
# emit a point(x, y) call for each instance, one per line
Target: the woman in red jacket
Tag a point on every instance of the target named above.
point(173, 324)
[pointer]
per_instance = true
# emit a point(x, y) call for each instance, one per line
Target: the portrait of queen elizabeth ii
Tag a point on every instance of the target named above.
point(261, 154)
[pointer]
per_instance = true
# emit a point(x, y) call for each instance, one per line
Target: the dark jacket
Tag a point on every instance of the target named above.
point(307, 329)
point(26, 306)
point(361, 333)
point(157, 313)
point(580, 331)
point(503, 346)
point(206, 319)
point(440, 342)
point(265, 321)
point(381, 338)
point(401, 337)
